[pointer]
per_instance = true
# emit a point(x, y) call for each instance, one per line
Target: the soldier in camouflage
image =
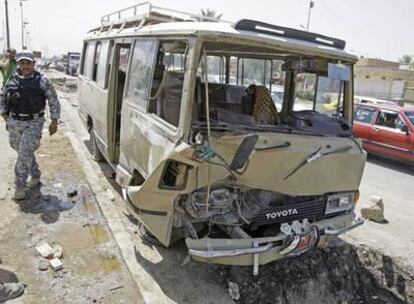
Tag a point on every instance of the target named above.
point(22, 105)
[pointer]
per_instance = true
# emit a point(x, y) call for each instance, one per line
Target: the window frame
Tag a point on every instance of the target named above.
point(389, 112)
point(92, 44)
point(374, 114)
point(128, 80)
point(153, 115)
point(108, 54)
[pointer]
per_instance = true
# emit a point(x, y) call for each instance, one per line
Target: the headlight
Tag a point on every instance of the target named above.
point(339, 203)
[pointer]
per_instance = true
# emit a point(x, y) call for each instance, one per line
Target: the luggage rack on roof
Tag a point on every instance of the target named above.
point(274, 30)
point(146, 13)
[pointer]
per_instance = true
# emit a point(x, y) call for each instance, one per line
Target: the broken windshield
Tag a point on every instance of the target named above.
point(251, 86)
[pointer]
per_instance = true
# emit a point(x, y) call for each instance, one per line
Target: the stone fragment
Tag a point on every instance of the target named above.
point(111, 195)
point(72, 192)
point(56, 264)
point(43, 265)
point(234, 291)
point(373, 209)
point(44, 249)
point(57, 250)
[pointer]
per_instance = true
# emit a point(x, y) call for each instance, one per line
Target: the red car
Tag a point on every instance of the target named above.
point(387, 130)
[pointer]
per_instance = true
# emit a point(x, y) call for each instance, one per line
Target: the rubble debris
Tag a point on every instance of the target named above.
point(186, 261)
point(58, 185)
point(45, 250)
point(234, 291)
point(339, 274)
point(373, 209)
point(43, 265)
point(111, 195)
point(57, 250)
point(56, 264)
point(72, 192)
point(116, 287)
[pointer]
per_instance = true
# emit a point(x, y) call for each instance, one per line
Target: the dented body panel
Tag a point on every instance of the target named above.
point(273, 189)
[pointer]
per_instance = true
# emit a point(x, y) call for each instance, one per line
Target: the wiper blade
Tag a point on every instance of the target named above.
point(284, 145)
point(310, 158)
point(316, 155)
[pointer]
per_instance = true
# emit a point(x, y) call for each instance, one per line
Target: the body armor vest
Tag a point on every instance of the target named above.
point(26, 95)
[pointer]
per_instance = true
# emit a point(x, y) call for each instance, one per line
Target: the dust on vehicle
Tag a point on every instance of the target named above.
point(183, 112)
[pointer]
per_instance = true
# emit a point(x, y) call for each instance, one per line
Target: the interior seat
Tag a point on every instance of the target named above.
point(169, 99)
point(264, 109)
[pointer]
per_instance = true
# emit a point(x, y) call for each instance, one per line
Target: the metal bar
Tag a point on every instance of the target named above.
point(228, 253)
point(338, 231)
point(6, 7)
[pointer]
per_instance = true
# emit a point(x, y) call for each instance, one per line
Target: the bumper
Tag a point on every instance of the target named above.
point(260, 251)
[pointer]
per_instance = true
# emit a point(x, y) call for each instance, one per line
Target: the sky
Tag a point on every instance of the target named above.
point(372, 28)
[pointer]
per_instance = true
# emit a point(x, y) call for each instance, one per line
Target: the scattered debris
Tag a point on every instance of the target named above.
point(373, 209)
point(186, 261)
point(45, 250)
point(111, 195)
point(234, 291)
point(57, 250)
point(72, 192)
point(56, 264)
point(116, 287)
point(43, 265)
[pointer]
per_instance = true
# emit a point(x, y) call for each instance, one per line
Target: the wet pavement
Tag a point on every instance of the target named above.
point(64, 211)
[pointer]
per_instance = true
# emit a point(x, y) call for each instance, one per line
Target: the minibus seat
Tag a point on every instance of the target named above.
point(264, 110)
point(169, 99)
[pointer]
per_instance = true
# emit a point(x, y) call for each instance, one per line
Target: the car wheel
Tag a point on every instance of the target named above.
point(96, 153)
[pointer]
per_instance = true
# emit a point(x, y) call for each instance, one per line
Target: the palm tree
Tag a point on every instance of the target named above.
point(209, 15)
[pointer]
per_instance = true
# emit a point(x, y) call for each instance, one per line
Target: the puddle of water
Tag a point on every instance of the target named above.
point(88, 203)
point(79, 244)
point(99, 264)
point(98, 233)
point(74, 237)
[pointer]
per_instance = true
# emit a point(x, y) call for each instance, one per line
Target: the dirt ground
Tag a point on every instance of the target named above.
point(339, 274)
point(94, 271)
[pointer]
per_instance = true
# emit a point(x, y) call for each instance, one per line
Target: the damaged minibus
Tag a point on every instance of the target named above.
point(183, 111)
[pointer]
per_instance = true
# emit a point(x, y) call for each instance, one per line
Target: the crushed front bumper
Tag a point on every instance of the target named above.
point(260, 251)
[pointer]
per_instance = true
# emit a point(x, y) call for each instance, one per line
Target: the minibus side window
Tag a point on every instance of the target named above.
point(88, 61)
point(96, 60)
point(140, 72)
point(102, 64)
point(168, 80)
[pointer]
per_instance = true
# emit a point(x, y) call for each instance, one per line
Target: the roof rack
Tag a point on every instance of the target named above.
point(149, 13)
point(274, 30)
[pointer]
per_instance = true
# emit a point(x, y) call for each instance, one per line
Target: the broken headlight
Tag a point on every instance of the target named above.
point(339, 203)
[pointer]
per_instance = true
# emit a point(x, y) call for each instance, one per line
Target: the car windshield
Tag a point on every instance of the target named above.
point(410, 116)
point(272, 90)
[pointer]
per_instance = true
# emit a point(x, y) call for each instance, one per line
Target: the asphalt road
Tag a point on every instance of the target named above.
point(394, 183)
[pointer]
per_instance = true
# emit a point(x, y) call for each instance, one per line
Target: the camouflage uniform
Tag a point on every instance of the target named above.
point(24, 136)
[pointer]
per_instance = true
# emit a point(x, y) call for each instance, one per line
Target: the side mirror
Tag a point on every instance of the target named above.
point(243, 152)
point(405, 129)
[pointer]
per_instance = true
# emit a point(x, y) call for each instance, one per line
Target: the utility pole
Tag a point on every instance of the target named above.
point(311, 5)
point(21, 10)
point(6, 7)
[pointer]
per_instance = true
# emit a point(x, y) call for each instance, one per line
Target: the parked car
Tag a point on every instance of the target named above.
point(386, 129)
point(372, 100)
point(72, 63)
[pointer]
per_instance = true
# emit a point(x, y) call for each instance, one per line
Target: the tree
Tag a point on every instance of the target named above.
point(406, 59)
point(209, 14)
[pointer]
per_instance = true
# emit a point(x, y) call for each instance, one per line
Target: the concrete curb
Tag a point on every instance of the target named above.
point(150, 290)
